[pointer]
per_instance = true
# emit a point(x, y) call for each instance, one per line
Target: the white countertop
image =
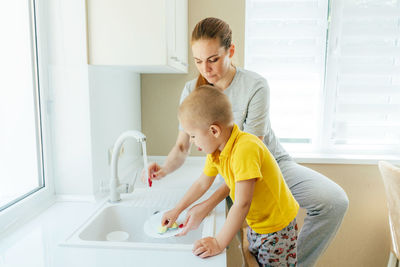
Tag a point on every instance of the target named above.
point(37, 243)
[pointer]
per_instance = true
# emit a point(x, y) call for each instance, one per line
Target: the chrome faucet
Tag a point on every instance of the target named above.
point(115, 187)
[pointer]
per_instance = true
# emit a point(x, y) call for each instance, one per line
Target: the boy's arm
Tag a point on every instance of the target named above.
point(210, 246)
point(198, 188)
point(197, 213)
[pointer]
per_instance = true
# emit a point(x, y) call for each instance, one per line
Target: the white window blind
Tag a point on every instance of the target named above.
point(363, 76)
point(286, 43)
point(333, 69)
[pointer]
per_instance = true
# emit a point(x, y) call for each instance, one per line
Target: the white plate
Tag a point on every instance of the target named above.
point(151, 225)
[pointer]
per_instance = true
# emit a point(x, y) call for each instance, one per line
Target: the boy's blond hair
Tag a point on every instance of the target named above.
point(205, 106)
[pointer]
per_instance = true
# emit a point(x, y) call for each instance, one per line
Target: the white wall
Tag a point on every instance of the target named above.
point(91, 106)
point(68, 83)
point(114, 108)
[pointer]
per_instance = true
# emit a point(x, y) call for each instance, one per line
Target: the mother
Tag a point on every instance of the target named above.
point(325, 201)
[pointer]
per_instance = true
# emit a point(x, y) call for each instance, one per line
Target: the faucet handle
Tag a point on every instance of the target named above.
point(125, 188)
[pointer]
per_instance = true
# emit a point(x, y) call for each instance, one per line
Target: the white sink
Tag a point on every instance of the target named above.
point(128, 217)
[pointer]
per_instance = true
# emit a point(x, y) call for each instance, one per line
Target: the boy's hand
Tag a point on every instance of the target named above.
point(206, 247)
point(194, 217)
point(169, 218)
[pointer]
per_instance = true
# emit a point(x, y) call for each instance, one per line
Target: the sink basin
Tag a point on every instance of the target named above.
point(121, 225)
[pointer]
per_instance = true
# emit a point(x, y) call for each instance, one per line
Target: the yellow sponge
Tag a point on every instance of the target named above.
point(162, 229)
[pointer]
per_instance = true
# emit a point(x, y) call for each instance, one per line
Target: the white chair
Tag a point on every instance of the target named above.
point(391, 180)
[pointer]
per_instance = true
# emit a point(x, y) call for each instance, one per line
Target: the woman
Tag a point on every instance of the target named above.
point(325, 202)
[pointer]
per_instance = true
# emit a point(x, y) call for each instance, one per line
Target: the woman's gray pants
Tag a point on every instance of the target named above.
point(326, 204)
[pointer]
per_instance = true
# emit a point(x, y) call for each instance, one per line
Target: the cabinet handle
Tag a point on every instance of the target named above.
point(174, 58)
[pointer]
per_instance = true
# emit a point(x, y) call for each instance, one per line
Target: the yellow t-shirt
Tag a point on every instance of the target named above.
point(246, 157)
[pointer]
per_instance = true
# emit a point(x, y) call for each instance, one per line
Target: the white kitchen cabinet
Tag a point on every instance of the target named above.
point(146, 36)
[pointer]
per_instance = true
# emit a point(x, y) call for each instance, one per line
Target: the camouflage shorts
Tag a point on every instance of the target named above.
point(275, 249)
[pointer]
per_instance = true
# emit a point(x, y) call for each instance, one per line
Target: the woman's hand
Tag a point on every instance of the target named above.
point(207, 247)
point(169, 217)
point(194, 217)
point(156, 172)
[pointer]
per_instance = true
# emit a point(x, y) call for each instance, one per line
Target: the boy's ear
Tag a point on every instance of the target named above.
point(215, 130)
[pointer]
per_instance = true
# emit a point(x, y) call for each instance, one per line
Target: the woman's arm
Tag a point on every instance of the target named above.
point(257, 113)
point(178, 154)
point(176, 157)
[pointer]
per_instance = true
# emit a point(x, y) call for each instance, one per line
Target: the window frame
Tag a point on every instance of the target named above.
point(321, 150)
point(28, 205)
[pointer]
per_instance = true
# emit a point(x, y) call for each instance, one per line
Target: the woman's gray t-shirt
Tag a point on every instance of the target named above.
point(249, 95)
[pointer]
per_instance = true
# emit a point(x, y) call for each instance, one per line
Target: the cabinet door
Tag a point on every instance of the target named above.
point(177, 21)
point(182, 40)
point(126, 32)
point(171, 29)
point(141, 35)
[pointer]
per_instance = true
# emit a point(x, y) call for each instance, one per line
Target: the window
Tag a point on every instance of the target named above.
point(21, 157)
point(333, 68)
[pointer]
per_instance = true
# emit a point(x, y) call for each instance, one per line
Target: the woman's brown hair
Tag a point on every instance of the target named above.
point(212, 28)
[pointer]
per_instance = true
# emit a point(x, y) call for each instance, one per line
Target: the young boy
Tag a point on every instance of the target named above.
point(252, 176)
